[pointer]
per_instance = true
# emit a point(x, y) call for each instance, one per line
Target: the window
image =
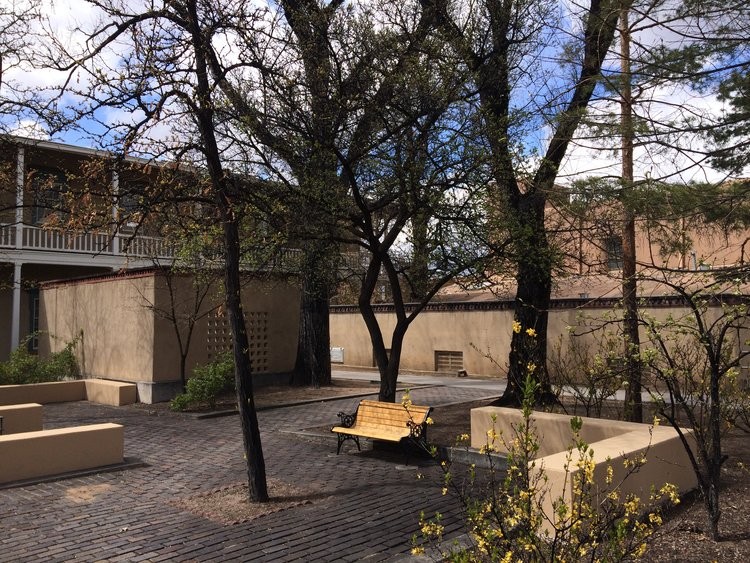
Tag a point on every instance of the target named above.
point(448, 361)
point(129, 205)
point(48, 187)
point(613, 248)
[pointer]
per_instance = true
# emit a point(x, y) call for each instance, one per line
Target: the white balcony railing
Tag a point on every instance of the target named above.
point(94, 243)
point(7, 236)
point(126, 245)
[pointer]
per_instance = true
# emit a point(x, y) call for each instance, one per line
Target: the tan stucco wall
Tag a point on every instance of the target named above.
point(125, 339)
point(118, 332)
point(612, 443)
point(99, 391)
point(166, 365)
point(281, 300)
point(25, 417)
point(477, 333)
point(50, 392)
point(51, 452)
point(488, 331)
point(278, 298)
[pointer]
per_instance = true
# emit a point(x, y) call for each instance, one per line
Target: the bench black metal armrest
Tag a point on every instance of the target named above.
point(416, 430)
point(347, 420)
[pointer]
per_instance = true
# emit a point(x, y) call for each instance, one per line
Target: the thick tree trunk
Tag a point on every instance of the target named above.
point(389, 375)
point(528, 349)
point(313, 365)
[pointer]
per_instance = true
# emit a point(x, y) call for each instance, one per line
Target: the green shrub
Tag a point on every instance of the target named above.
point(207, 383)
point(25, 367)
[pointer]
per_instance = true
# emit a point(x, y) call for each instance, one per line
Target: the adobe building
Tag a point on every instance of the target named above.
point(41, 184)
point(470, 328)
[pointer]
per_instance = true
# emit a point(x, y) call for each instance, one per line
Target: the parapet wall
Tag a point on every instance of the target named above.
point(613, 444)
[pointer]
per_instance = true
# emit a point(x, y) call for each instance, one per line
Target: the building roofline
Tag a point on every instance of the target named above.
point(59, 146)
point(99, 278)
point(657, 301)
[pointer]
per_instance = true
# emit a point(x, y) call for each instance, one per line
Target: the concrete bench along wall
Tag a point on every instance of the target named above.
point(51, 452)
point(100, 391)
point(21, 418)
point(612, 443)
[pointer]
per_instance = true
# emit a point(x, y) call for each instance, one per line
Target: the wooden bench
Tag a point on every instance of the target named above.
point(389, 422)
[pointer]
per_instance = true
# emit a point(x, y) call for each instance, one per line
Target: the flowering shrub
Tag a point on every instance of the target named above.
point(505, 516)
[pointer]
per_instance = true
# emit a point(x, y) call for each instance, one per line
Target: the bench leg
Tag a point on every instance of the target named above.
point(344, 437)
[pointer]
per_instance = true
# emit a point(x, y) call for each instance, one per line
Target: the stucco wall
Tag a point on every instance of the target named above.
point(127, 337)
point(278, 300)
point(474, 333)
point(117, 330)
point(477, 332)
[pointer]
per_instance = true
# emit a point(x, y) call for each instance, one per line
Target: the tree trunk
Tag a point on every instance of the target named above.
point(633, 400)
point(528, 351)
point(256, 467)
point(313, 365)
point(389, 376)
point(419, 269)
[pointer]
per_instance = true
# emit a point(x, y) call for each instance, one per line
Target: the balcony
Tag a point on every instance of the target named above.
point(67, 245)
point(91, 244)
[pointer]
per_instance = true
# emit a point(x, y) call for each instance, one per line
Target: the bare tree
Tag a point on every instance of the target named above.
point(353, 144)
point(17, 24)
point(698, 355)
point(159, 77)
point(503, 44)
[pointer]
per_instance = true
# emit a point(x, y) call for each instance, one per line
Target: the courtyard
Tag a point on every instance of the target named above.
point(354, 507)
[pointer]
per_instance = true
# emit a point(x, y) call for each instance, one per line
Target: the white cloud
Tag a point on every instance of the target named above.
point(673, 155)
point(31, 129)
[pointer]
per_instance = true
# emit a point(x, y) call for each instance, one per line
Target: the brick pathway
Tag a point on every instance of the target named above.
point(368, 506)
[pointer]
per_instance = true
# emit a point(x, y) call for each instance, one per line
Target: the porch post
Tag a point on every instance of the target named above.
point(19, 196)
point(15, 315)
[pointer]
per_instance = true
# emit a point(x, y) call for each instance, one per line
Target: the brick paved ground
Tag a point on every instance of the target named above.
point(368, 506)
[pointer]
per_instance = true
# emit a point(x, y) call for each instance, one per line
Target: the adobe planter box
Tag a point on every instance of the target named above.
point(612, 443)
point(52, 452)
point(100, 391)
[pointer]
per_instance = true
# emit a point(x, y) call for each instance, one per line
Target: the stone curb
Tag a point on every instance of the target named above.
point(128, 463)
